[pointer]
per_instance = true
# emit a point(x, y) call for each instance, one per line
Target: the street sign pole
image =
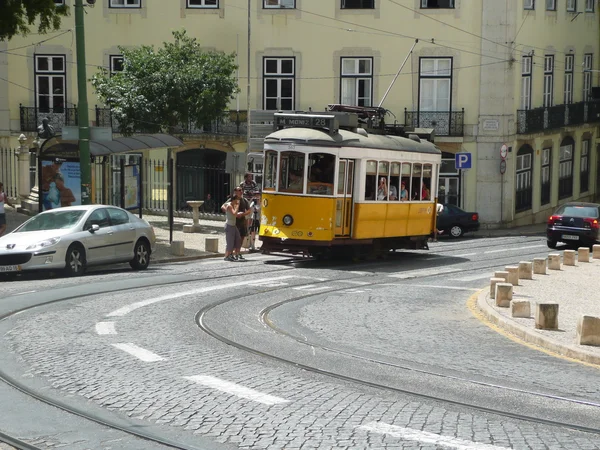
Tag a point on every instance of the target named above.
point(84, 122)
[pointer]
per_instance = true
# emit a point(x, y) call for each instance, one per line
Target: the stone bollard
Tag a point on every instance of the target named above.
point(554, 261)
point(569, 257)
point(583, 254)
point(526, 270)
point(493, 282)
point(177, 248)
point(501, 274)
point(211, 244)
point(504, 293)
point(596, 251)
point(546, 316)
point(588, 330)
point(513, 275)
point(520, 308)
point(539, 266)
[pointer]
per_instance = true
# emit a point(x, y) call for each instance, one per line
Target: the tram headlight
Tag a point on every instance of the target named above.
point(288, 220)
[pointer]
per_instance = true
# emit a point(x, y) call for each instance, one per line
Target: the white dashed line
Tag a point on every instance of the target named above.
point(463, 255)
point(432, 286)
point(106, 328)
point(236, 389)
point(424, 437)
point(414, 273)
point(361, 283)
point(479, 276)
point(513, 249)
point(311, 288)
point(138, 352)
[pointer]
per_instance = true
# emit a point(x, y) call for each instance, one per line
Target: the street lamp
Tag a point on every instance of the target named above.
point(248, 75)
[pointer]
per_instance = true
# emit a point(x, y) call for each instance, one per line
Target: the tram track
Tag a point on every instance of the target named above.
point(198, 276)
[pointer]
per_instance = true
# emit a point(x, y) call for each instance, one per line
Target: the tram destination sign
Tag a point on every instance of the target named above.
point(305, 121)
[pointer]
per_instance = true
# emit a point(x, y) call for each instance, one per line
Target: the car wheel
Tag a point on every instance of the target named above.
point(75, 261)
point(456, 231)
point(551, 243)
point(141, 256)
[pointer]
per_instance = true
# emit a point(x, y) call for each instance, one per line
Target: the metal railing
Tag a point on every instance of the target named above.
point(31, 117)
point(9, 171)
point(553, 117)
point(445, 123)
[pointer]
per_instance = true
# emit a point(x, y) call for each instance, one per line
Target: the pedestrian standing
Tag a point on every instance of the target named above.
point(244, 211)
point(249, 187)
point(232, 234)
point(255, 221)
point(3, 199)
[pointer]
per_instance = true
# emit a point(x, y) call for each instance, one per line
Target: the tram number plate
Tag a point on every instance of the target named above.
point(9, 268)
point(570, 237)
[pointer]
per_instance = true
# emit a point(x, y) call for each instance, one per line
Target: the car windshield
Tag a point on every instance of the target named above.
point(578, 211)
point(52, 221)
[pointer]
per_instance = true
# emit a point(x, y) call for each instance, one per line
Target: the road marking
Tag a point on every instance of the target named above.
point(236, 389)
point(270, 284)
point(424, 437)
point(432, 286)
point(311, 288)
point(414, 273)
point(132, 307)
point(361, 283)
point(480, 276)
point(463, 255)
point(357, 272)
point(514, 248)
point(138, 352)
point(106, 328)
point(23, 293)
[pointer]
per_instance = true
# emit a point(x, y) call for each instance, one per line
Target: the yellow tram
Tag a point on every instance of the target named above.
point(330, 186)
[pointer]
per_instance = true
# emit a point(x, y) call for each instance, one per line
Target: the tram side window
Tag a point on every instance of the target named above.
point(371, 180)
point(405, 186)
point(394, 182)
point(427, 186)
point(383, 181)
point(270, 171)
point(321, 171)
point(415, 182)
point(291, 172)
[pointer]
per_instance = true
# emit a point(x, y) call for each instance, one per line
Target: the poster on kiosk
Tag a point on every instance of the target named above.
point(60, 183)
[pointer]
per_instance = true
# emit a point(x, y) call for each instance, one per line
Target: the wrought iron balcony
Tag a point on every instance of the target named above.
point(31, 117)
point(548, 118)
point(445, 123)
point(233, 123)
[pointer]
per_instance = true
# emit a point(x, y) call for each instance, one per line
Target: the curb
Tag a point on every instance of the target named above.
point(186, 258)
point(529, 336)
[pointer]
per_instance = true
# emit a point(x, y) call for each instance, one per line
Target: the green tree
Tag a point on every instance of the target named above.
point(16, 16)
point(168, 89)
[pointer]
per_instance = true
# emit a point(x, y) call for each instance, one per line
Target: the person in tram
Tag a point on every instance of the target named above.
point(382, 189)
point(403, 192)
point(425, 195)
point(296, 183)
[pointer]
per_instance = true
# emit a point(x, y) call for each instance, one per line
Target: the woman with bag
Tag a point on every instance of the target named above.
point(232, 234)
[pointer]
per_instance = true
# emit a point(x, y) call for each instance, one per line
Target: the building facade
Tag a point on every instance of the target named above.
point(486, 75)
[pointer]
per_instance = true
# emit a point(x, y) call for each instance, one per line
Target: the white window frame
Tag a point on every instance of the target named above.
point(344, 6)
point(112, 61)
point(589, 5)
point(355, 79)
point(59, 2)
point(125, 4)
point(568, 97)
point(550, 5)
point(528, 4)
point(546, 175)
point(548, 97)
point(201, 4)
point(587, 76)
point(51, 74)
point(526, 64)
point(279, 4)
point(280, 77)
point(571, 5)
point(436, 80)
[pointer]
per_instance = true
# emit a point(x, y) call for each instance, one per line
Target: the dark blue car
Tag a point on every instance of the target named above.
point(454, 222)
point(575, 224)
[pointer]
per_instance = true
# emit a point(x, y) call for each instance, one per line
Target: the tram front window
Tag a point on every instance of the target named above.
point(291, 172)
point(270, 170)
point(321, 171)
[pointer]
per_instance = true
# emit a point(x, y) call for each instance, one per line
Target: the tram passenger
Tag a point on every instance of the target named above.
point(393, 193)
point(296, 181)
point(403, 192)
point(382, 190)
point(425, 192)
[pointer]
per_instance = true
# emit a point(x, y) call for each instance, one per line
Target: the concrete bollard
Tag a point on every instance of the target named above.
point(554, 261)
point(504, 293)
point(493, 282)
point(211, 244)
point(501, 274)
point(513, 275)
point(520, 308)
point(526, 270)
point(569, 257)
point(546, 316)
point(539, 266)
point(583, 254)
point(177, 248)
point(588, 330)
point(596, 251)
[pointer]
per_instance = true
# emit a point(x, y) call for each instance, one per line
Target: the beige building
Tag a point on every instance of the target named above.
point(486, 75)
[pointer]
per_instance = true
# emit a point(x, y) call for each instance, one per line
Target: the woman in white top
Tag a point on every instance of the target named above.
point(382, 190)
point(3, 199)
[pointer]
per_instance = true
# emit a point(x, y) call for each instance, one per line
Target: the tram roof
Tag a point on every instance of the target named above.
point(345, 138)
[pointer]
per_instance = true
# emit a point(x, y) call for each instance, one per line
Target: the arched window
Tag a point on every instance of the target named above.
point(523, 178)
point(565, 168)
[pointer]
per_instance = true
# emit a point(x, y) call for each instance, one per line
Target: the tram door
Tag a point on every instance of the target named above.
point(343, 204)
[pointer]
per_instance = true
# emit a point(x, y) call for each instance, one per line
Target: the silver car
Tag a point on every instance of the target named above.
point(77, 237)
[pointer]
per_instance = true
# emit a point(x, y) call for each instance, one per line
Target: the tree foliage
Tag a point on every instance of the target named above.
point(168, 89)
point(17, 16)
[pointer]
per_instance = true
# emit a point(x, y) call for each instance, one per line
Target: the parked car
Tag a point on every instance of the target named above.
point(574, 223)
point(76, 237)
point(454, 221)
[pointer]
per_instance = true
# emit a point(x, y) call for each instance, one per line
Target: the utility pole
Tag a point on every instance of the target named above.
point(248, 86)
point(84, 121)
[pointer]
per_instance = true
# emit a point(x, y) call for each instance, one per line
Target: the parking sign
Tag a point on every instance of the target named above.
point(462, 160)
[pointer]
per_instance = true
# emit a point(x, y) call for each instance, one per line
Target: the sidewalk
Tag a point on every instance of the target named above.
point(574, 288)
